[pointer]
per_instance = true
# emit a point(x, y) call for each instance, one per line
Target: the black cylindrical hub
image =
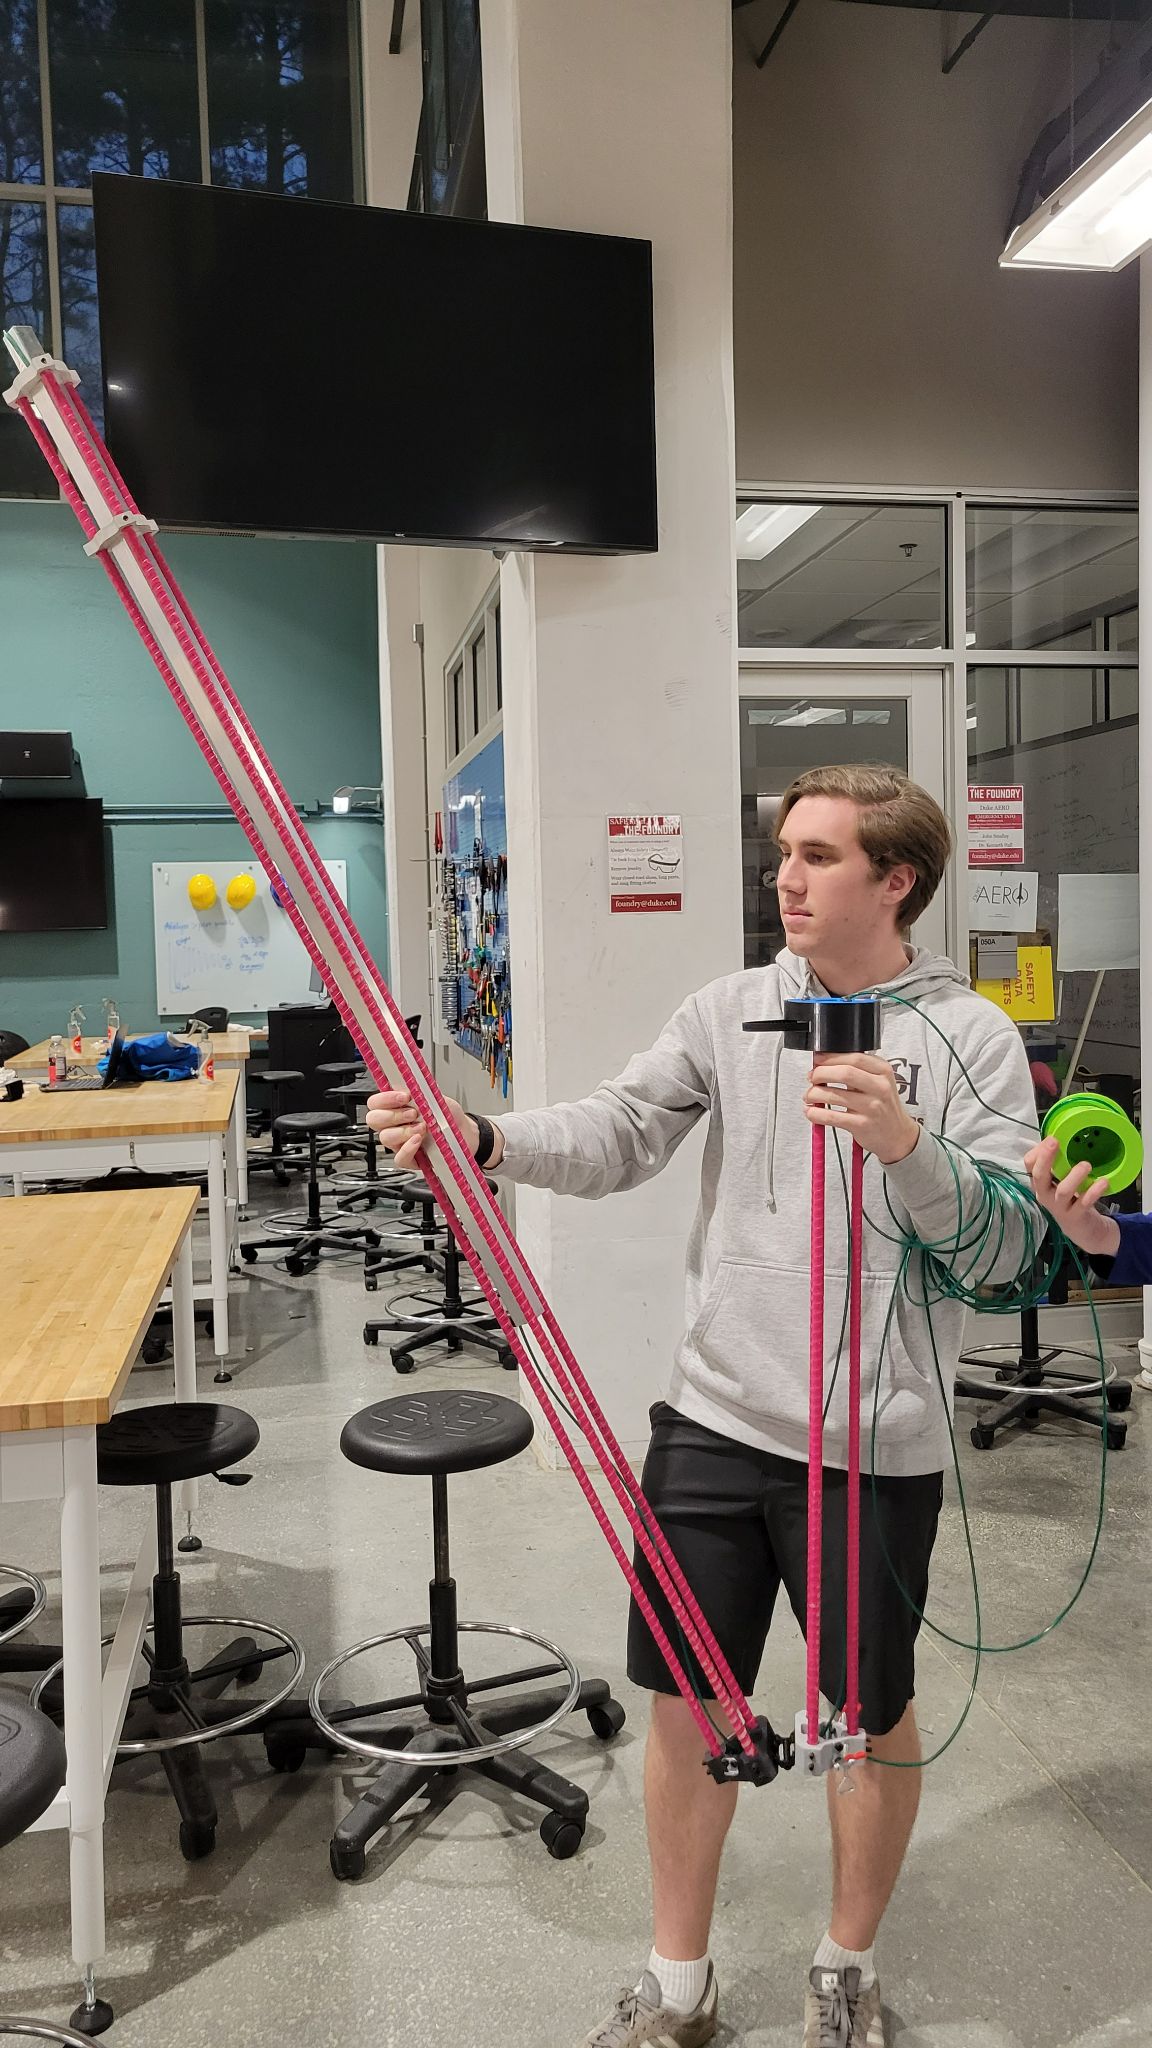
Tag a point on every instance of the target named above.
point(826, 1024)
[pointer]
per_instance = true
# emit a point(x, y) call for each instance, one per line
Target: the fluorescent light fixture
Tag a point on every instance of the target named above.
point(345, 799)
point(1101, 216)
point(760, 529)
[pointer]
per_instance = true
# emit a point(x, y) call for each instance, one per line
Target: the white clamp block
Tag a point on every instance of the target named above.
point(833, 1748)
point(28, 381)
point(125, 522)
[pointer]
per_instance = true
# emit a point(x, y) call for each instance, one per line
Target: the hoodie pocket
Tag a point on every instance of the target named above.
point(748, 1349)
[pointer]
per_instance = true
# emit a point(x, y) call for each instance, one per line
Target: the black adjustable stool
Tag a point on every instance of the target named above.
point(450, 1318)
point(180, 1708)
point(426, 1226)
point(33, 1765)
point(444, 1726)
point(364, 1190)
point(277, 1080)
point(19, 1608)
point(302, 1235)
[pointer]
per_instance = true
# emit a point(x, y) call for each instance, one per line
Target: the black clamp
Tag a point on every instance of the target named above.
point(826, 1024)
point(770, 1754)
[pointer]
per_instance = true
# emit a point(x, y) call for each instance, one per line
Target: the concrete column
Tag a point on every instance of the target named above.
point(393, 86)
point(1144, 559)
point(619, 675)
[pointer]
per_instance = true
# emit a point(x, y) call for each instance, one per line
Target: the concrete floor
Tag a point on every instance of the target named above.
point(1024, 1917)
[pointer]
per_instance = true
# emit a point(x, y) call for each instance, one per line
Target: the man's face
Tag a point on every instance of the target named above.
point(831, 903)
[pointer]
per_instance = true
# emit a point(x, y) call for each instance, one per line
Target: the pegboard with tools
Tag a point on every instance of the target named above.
point(475, 979)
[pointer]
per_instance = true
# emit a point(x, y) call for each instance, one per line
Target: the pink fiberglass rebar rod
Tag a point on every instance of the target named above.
point(852, 1573)
point(815, 1437)
point(116, 530)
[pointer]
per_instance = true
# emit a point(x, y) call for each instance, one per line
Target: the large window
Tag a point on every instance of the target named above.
point(230, 93)
point(448, 175)
point(1030, 613)
point(840, 575)
point(473, 681)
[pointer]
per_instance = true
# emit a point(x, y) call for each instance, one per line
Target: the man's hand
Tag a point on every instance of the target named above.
point(394, 1117)
point(1072, 1202)
point(857, 1092)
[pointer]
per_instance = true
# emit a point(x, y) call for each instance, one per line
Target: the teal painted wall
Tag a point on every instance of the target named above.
point(294, 624)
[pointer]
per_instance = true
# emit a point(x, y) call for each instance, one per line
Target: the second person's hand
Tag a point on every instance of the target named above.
point(1073, 1202)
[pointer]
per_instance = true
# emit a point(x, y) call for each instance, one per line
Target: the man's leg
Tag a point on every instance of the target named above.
point(688, 1815)
point(871, 1826)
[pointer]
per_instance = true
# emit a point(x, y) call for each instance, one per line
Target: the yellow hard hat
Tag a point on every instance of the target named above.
point(241, 891)
point(201, 892)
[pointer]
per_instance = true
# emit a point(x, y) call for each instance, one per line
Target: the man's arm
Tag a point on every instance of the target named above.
point(616, 1138)
point(992, 1116)
point(626, 1131)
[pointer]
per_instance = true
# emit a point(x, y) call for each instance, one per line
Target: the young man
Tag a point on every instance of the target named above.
point(863, 852)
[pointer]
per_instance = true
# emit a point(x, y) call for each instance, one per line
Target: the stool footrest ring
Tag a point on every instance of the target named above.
point(468, 1752)
point(30, 1584)
point(247, 1719)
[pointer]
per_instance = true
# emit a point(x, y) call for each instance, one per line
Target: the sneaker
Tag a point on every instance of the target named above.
point(837, 2014)
point(639, 2016)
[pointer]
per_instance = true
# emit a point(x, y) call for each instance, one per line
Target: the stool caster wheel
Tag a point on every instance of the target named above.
point(210, 1328)
point(347, 1860)
point(453, 1340)
point(508, 1359)
point(606, 1721)
point(1117, 1436)
point(371, 1336)
point(284, 1756)
point(1120, 1395)
point(402, 1362)
point(92, 2019)
point(152, 1350)
point(372, 1238)
point(297, 1267)
point(561, 1837)
point(248, 1254)
point(982, 1436)
point(281, 1179)
point(196, 1842)
point(370, 1283)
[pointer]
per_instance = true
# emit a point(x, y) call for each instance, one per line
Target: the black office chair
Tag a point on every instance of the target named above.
point(449, 1723)
point(33, 1766)
point(213, 1019)
point(10, 1044)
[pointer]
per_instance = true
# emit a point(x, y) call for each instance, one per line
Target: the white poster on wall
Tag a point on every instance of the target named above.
point(645, 861)
point(1099, 923)
point(995, 825)
point(1002, 899)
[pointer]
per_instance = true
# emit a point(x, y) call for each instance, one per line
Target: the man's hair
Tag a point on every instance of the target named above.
point(898, 823)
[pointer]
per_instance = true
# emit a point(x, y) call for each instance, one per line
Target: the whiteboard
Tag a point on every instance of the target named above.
point(244, 959)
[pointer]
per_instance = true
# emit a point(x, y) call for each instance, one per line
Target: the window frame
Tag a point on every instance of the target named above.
point(480, 685)
point(53, 195)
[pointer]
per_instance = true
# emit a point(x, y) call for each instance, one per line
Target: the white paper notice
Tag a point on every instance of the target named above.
point(1002, 899)
point(995, 825)
point(1099, 923)
point(646, 861)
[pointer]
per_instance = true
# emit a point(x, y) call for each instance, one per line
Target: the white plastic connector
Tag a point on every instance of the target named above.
point(27, 382)
point(833, 1749)
point(115, 529)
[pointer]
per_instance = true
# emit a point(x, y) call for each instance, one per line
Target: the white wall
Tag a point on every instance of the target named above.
point(875, 339)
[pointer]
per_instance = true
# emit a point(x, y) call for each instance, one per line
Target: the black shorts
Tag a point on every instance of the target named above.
point(737, 1522)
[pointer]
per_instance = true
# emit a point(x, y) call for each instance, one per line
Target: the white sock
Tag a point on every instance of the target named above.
point(681, 1984)
point(830, 1956)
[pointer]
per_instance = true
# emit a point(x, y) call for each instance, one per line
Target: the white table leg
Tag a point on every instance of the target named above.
point(218, 1239)
point(17, 1183)
point(83, 1709)
point(184, 1370)
point(240, 1115)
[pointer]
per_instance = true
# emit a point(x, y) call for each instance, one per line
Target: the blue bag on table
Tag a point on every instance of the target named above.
point(156, 1058)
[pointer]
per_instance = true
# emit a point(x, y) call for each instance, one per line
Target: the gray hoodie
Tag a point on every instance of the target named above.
point(741, 1366)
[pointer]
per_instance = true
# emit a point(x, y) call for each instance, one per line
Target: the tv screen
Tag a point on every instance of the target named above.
point(294, 366)
point(52, 865)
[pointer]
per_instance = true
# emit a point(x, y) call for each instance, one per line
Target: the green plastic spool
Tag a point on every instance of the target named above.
point(1095, 1128)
